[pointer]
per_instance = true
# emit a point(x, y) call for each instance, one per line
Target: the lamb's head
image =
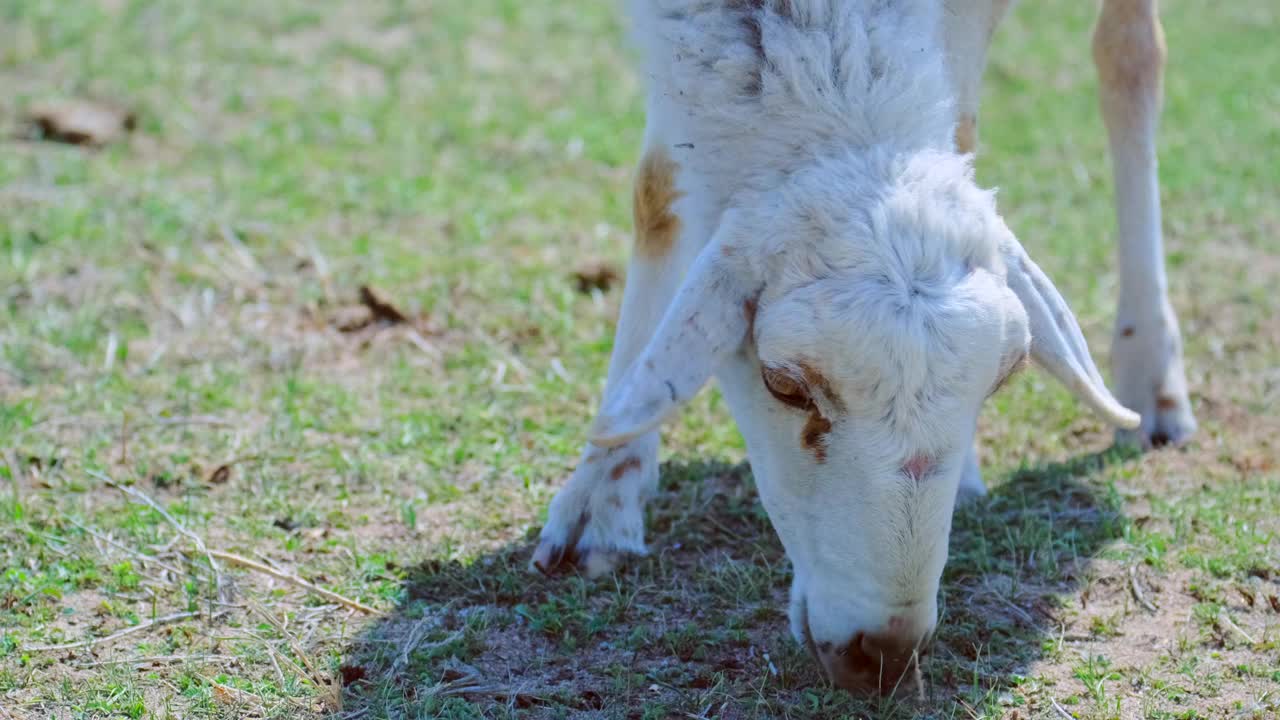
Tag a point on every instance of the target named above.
point(857, 326)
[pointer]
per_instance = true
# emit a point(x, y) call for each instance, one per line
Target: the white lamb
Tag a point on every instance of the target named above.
point(808, 231)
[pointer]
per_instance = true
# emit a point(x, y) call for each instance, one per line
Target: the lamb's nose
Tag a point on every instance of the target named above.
point(874, 662)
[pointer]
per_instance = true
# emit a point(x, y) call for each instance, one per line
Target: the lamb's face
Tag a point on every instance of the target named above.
point(855, 340)
point(858, 405)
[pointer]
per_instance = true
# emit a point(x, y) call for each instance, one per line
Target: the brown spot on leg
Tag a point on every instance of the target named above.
point(624, 467)
point(1129, 52)
point(967, 133)
point(814, 436)
point(654, 193)
point(1127, 332)
point(1166, 402)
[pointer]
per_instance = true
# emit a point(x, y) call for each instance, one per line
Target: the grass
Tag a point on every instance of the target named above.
point(179, 313)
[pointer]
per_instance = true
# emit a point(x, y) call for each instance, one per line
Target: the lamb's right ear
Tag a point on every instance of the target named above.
point(707, 320)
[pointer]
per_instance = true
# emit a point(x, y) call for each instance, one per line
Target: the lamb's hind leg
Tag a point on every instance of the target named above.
point(1146, 356)
point(598, 516)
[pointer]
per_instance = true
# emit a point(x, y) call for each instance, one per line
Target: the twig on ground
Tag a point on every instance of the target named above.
point(332, 690)
point(469, 683)
point(415, 642)
point(185, 420)
point(419, 631)
point(973, 714)
point(1026, 617)
point(1061, 710)
point(271, 655)
point(267, 570)
point(152, 659)
point(195, 539)
point(1231, 624)
point(1136, 589)
point(415, 338)
point(113, 636)
point(130, 551)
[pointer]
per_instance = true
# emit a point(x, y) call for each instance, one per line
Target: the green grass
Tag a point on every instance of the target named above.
point(171, 314)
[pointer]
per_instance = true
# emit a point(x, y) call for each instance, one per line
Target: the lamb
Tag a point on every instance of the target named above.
point(808, 230)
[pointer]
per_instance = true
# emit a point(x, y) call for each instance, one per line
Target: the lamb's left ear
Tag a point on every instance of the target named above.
point(707, 320)
point(1057, 344)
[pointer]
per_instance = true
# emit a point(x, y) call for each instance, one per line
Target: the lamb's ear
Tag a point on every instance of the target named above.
point(707, 320)
point(1057, 344)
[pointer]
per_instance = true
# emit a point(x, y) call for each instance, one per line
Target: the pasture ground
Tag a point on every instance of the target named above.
point(180, 315)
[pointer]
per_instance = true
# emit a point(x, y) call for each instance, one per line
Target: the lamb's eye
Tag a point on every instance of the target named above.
point(786, 388)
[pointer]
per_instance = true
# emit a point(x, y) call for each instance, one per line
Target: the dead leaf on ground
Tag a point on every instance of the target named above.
point(81, 122)
point(372, 308)
point(595, 275)
point(351, 674)
point(220, 475)
point(228, 695)
point(381, 309)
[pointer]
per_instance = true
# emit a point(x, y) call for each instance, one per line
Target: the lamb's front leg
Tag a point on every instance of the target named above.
point(598, 516)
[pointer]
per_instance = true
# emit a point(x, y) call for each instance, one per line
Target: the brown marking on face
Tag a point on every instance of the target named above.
point(624, 467)
point(1166, 402)
point(652, 197)
point(814, 435)
point(817, 381)
point(967, 133)
point(1128, 331)
point(797, 392)
point(1129, 52)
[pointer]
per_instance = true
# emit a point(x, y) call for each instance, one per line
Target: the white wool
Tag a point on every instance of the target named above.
point(829, 233)
point(829, 75)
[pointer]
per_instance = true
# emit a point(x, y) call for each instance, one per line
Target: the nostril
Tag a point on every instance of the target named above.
point(886, 655)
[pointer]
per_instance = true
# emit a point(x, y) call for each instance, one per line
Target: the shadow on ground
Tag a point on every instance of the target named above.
point(699, 627)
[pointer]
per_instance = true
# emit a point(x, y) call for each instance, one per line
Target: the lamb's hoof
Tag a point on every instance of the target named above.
point(1167, 421)
point(1146, 361)
point(553, 558)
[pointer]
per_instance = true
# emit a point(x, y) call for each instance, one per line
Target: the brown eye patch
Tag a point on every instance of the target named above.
point(786, 388)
